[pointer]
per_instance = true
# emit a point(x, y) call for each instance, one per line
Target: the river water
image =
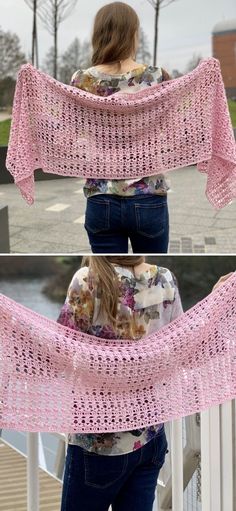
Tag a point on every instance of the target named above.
point(28, 292)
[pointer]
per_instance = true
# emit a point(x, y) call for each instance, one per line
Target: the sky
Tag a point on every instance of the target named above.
point(185, 26)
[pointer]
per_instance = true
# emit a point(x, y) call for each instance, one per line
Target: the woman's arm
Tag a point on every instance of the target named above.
point(177, 305)
point(177, 308)
point(222, 280)
point(77, 311)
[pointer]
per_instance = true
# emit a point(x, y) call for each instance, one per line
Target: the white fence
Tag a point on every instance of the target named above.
point(210, 440)
point(217, 457)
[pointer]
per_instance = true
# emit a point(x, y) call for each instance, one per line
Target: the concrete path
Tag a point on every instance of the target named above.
point(54, 224)
point(4, 116)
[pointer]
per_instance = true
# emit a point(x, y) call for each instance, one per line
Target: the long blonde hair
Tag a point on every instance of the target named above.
point(102, 269)
point(114, 30)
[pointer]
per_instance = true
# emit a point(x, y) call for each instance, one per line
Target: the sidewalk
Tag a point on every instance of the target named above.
point(54, 224)
point(4, 116)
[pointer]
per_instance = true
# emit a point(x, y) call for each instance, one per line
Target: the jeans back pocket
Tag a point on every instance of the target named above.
point(101, 471)
point(152, 217)
point(97, 216)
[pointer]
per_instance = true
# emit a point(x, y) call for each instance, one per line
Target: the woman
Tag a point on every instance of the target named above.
point(119, 297)
point(124, 298)
point(133, 209)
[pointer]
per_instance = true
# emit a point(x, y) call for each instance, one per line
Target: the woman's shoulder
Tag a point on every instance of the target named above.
point(150, 274)
point(166, 275)
point(161, 274)
point(164, 281)
point(76, 73)
point(158, 71)
point(149, 72)
point(80, 278)
point(81, 77)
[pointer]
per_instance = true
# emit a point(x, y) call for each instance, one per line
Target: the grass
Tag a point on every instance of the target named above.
point(5, 125)
point(232, 111)
point(4, 132)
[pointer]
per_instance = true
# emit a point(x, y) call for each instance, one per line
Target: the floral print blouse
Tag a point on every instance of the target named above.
point(146, 303)
point(102, 84)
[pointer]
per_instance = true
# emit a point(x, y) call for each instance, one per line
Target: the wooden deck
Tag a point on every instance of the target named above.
point(13, 484)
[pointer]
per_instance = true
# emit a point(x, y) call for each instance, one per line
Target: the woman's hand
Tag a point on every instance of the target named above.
point(222, 280)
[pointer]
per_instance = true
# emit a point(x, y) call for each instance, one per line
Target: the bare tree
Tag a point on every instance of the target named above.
point(48, 62)
point(86, 55)
point(176, 73)
point(35, 5)
point(157, 4)
point(52, 13)
point(11, 55)
point(143, 53)
point(76, 56)
point(193, 62)
point(70, 61)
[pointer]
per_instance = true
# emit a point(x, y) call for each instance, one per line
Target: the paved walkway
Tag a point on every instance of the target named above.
point(54, 224)
point(4, 116)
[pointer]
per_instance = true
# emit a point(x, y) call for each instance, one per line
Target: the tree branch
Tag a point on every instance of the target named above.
point(154, 3)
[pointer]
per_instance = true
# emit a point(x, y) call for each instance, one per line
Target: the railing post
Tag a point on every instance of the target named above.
point(234, 451)
point(177, 466)
point(211, 467)
point(215, 459)
point(205, 461)
point(227, 455)
point(32, 472)
point(60, 459)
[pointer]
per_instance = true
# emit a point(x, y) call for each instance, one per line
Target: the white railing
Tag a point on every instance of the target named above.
point(177, 466)
point(218, 458)
point(32, 472)
point(216, 444)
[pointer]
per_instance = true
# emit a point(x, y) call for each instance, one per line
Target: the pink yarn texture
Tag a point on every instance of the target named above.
point(53, 378)
point(71, 132)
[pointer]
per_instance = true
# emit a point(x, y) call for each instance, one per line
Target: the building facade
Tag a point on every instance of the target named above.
point(224, 49)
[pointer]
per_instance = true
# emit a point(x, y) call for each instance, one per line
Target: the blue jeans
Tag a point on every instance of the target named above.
point(93, 482)
point(111, 220)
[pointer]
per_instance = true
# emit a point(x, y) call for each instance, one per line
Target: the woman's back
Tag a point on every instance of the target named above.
point(98, 81)
point(148, 299)
point(102, 83)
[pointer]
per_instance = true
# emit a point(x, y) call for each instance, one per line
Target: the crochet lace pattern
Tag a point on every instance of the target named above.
point(53, 378)
point(67, 131)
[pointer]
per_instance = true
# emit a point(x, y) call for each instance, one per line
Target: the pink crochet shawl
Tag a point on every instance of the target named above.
point(71, 132)
point(53, 378)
